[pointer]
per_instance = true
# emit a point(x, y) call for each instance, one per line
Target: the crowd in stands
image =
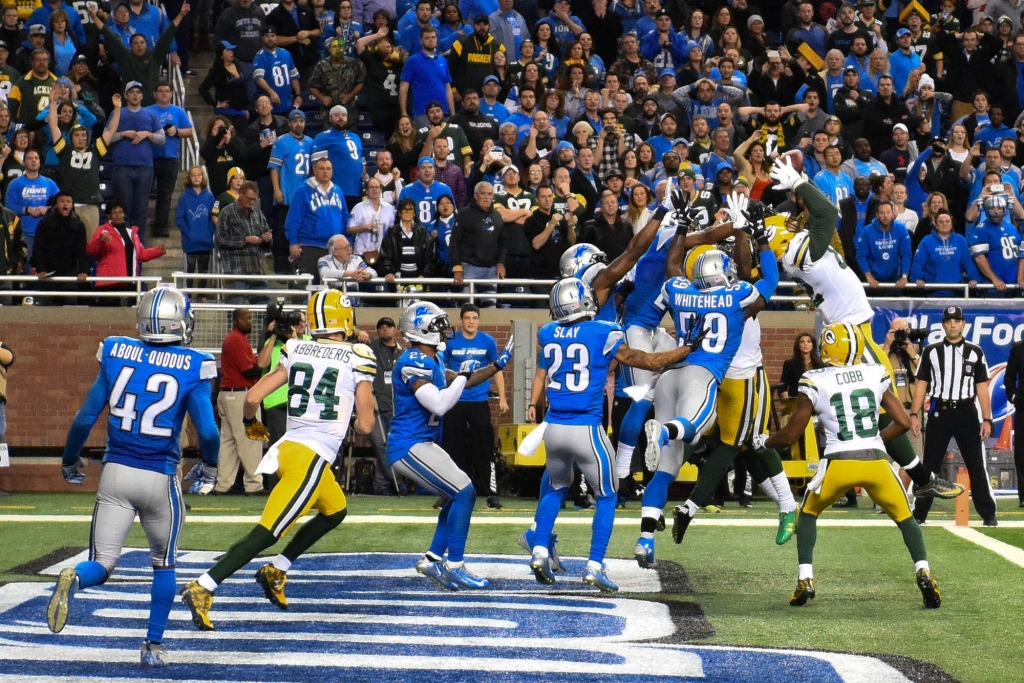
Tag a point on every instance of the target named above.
point(479, 138)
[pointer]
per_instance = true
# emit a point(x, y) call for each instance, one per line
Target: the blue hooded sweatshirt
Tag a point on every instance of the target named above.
point(939, 260)
point(884, 254)
point(195, 220)
point(315, 216)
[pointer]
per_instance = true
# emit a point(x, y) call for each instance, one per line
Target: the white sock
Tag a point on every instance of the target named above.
point(691, 507)
point(769, 490)
point(207, 582)
point(781, 484)
point(923, 564)
point(806, 572)
point(454, 565)
point(594, 566)
point(623, 460)
point(432, 557)
point(647, 512)
point(281, 563)
point(646, 534)
point(540, 551)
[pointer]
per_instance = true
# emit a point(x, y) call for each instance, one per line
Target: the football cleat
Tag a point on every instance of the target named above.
point(153, 655)
point(657, 437)
point(787, 527)
point(681, 520)
point(661, 523)
point(199, 602)
point(526, 540)
point(804, 592)
point(939, 488)
point(272, 580)
point(57, 609)
point(598, 578)
point(929, 589)
point(435, 572)
point(463, 578)
point(643, 552)
point(541, 567)
point(526, 543)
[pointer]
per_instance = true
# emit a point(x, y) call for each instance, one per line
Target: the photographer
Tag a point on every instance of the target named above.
point(282, 325)
point(902, 345)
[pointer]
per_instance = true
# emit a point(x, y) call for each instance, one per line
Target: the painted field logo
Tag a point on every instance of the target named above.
point(362, 617)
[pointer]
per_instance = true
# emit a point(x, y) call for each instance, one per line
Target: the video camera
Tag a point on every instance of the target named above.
point(284, 321)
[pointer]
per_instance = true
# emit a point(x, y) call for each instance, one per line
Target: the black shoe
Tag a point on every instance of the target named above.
point(844, 503)
point(1021, 503)
point(745, 503)
point(991, 521)
point(661, 523)
point(681, 520)
point(494, 503)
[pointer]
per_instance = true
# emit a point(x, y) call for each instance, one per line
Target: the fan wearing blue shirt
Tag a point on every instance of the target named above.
point(994, 242)
point(41, 16)
point(274, 72)
point(833, 184)
point(883, 248)
point(425, 192)
point(412, 25)
point(316, 214)
point(27, 196)
point(903, 61)
point(166, 157)
point(943, 256)
point(426, 78)
point(289, 169)
point(565, 27)
point(345, 150)
point(138, 133)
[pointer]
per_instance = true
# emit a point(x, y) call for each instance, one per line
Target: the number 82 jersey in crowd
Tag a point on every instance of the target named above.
point(576, 358)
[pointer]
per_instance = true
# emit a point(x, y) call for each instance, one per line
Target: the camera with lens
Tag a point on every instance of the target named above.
point(284, 321)
point(902, 338)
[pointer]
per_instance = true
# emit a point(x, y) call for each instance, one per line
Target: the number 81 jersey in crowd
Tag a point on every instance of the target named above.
point(322, 380)
point(848, 399)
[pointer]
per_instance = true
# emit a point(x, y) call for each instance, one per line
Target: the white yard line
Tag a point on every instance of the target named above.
point(1010, 553)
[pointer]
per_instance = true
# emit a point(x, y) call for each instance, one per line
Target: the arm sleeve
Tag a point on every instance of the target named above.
point(769, 275)
point(200, 409)
point(905, 252)
point(917, 267)
point(824, 215)
point(95, 402)
point(440, 401)
point(916, 195)
point(969, 265)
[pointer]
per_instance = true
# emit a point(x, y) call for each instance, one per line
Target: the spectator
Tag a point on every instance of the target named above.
point(236, 176)
point(240, 369)
point(222, 151)
point(194, 218)
point(807, 31)
point(805, 357)
point(80, 165)
point(935, 203)
point(259, 138)
point(239, 25)
point(834, 184)
point(371, 218)
point(470, 57)
point(489, 105)
point(406, 250)
point(474, 123)
point(943, 257)
point(166, 158)
point(966, 64)
point(903, 60)
point(383, 64)
point(242, 233)
point(443, 226)
point(768, 80)
point(883, 248)
point(61, 44)
point(510, 29)
point(515, 205)
point(386, 350)
point(13, 35)
point(425, 192)
point(150, 20)
point(881, 114)
point(340, 263)
point(993, 239)
point(459, 151)
point(974, 178)
point(412, 25)
point(119, 252)
point(389, 177)
point(344, 26)
point(425, 78)
point(230, 88)
point(337, 80)
point(855, 212)
point(478, 243)
point(403, 148)
point(60, 250)
point(8, 73)
point(899, 156)
point(13, 250)
point(27, 196)
point(317, 212)
point(42, 16)
point(550, 234)
point(289, 169)
point(30, 94)
point(609, 231)
point(279, 67)
point(862, 163)
point(904, 214)
point(298, 31)
point(138, 133)
point(449, 174)
point(345, 151)
point(66, 114)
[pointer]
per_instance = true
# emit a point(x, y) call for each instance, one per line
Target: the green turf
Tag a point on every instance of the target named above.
point(867, 600)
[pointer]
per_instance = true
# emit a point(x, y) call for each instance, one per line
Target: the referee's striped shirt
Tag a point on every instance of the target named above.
point(952, 370)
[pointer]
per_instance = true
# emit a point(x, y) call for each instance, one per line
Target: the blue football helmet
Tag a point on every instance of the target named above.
point(995, 207)
point(571, 300)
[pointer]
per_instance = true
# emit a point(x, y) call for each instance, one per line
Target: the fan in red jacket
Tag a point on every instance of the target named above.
point(119, 250)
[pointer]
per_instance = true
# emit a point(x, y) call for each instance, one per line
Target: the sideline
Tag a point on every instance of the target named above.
point(1010, 553)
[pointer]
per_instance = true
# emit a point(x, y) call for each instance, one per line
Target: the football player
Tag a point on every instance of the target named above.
point(424, 392)
point(327, 378)
point(576, 352)
point(147, 385)
point(685, 396)
point(846, 396)
point(808, 258)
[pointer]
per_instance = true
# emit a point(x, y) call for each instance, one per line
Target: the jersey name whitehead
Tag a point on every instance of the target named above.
point(161, 359)
point(684, 300)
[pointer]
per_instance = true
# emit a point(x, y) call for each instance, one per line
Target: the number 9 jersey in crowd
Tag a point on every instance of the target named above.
point(413, 423)
point(147, 388)
point(576, 359)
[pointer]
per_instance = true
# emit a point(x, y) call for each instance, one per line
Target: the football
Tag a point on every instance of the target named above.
point(796, 159)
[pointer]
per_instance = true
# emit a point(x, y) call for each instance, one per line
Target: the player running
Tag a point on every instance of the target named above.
point(576, 352)
point(846, 396)
point(147, 385)
point(422, 396)
point(326, 377)
point(809, 258)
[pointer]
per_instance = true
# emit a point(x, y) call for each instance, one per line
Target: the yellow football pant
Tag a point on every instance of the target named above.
point(306, 481)
point(875, 476)
point(743, 408)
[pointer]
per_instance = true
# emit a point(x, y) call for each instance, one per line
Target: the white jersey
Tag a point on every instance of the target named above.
point(848, 400)
point(833, 286)
point(322, 380)
point(748, 359)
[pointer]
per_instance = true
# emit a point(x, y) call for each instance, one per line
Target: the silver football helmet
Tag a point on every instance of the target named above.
point(165, 316)
point(576, 259)
point(424, 322)
point(571, 300)
point(713, 269)
point(995, 207)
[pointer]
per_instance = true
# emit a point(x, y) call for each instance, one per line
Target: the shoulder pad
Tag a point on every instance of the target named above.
point(364, 351)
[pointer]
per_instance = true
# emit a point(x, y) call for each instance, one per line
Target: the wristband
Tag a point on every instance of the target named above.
point(659, 213)
point(248, 421)
point(532, 405)
point(988, 419)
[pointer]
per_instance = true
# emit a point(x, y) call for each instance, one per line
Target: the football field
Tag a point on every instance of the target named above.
point(716, 608)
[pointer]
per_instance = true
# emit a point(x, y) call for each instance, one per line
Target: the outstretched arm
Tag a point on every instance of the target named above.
point(650, 361)
point(200, 408)
point(788, 435)
point(95, 402)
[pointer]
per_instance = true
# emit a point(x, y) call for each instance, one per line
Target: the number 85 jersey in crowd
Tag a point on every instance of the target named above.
point(322, 380)
point(148, 389)
point(847, 399)
point(576, 358)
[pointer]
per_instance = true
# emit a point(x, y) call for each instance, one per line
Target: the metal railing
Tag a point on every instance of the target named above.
point(470, 289)
point(302, 284)
point(9, 287)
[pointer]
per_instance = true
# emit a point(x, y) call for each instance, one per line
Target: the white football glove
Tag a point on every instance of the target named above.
point(785, 176)
point(736, 207)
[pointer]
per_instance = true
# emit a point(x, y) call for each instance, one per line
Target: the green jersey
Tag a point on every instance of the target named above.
point(30, 95)
point(80, 170)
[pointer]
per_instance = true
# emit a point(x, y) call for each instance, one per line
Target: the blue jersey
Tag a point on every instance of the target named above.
point(345, 150)
point(147, 388)
point(724, 313)
point(649, 277)
point(481, 348)
point(444, 229)
point(290, 158)
point(835, 186)
point(426, 199)
point(412, 423)
point(169, 115)
point(278, 69)
point(1000, 244)
point(576, 358)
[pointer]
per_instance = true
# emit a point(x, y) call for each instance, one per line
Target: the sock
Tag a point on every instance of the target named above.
point(647, 534)
point(921, 564)
point(713, 471)
point(458, 523)
point(780, 482)
point(540, 551)
point(769, 490)
point(902, 451)
point(90, 574)
point(675, 429)
point(594, 566)
point(161, 598)
point(691, 508)
point(239, 555)
point(632, 424)
point(604, 518)
point(207, 582)
point(649, 517)
point(547, 511)
point(806, 572)
point(455, 565)
point(656, 493)
point(311, 532)
point(439, 544)
point(806, 537)
point(913, 538)
point(281, 563)
point(623, 460)
point(432, 557)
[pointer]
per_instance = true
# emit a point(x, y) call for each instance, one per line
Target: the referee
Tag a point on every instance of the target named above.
point(953, 373)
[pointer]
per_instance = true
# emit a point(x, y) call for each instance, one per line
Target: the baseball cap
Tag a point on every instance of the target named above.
point(849, 69)
point(385, 321)
point(1005, 20)
point(681, 141)
point(662, 13)
point(508, 168)
point(865, 2)
point(482, 19)
point(952, 313)
point(902, 32)
point(227, 46)
point(614, 174)
point(77, 59)
point(338, 109)
point(4, 45)
point(233, 171)
point(63, 80)
point(132, 84)
point(424, 160)
point(268, 29)
point(37, 30)
point(564, 144)
point(297, 114)
point(668, 115)
point(900, 126)
point(491, 79)
point(666, 71)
